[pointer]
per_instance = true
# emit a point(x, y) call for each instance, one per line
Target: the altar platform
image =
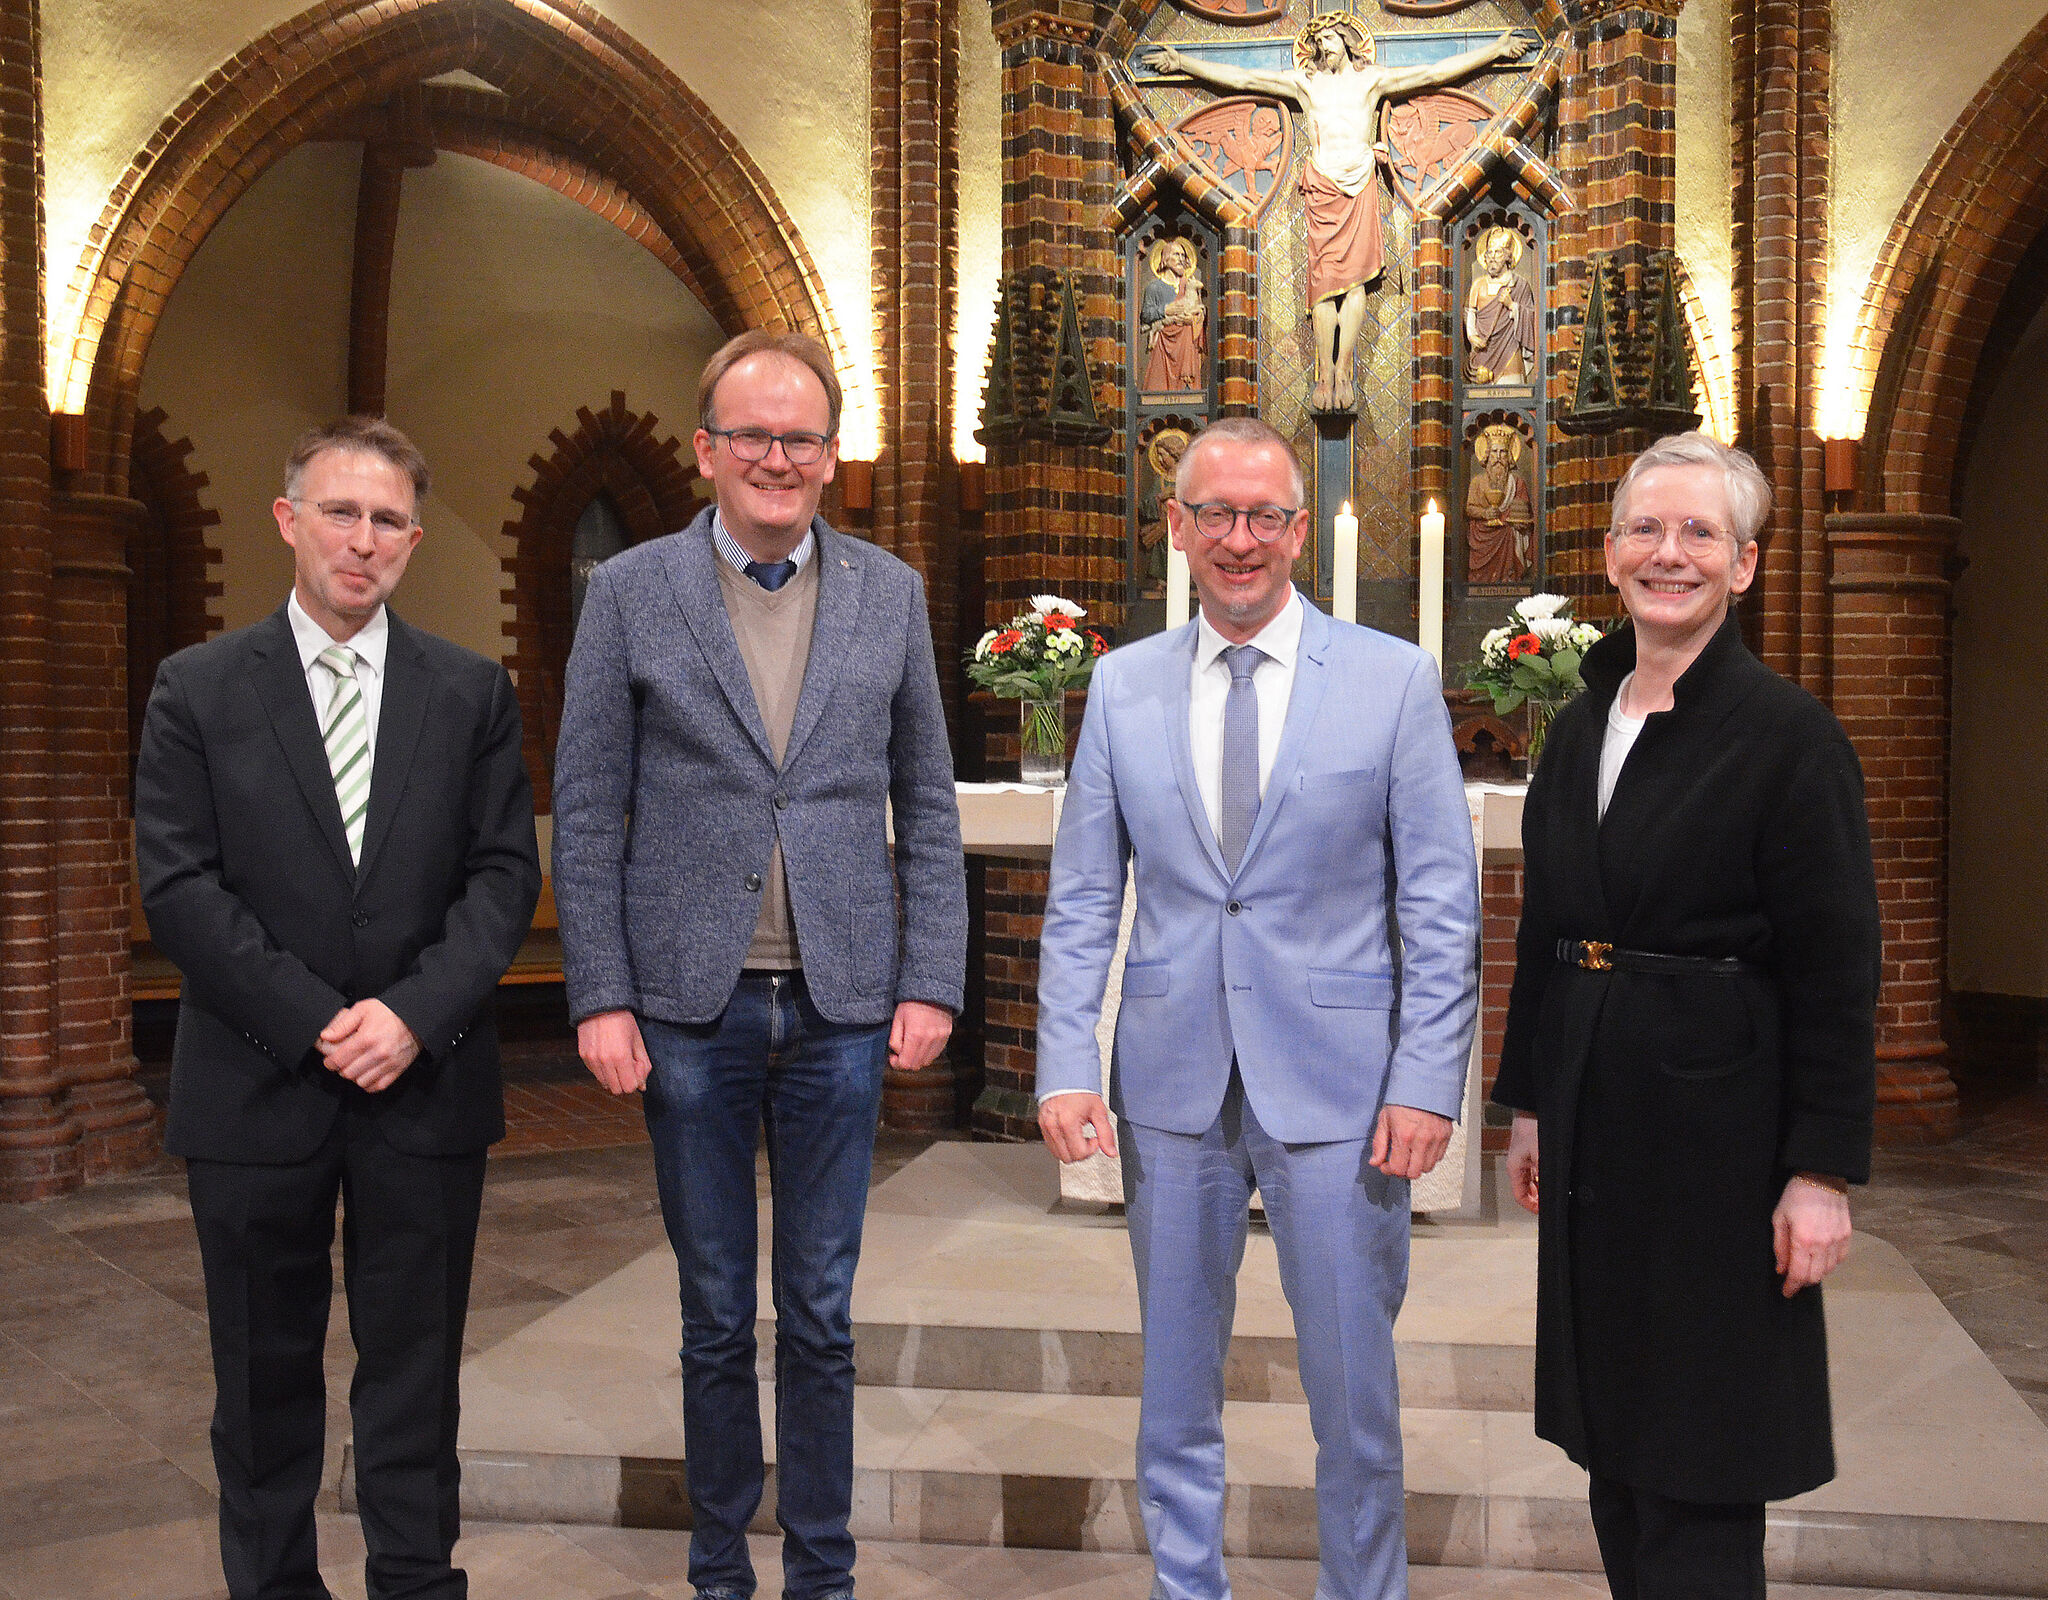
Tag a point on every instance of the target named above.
point(998, 1364)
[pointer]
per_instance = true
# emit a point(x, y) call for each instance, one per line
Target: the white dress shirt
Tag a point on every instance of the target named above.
point(735, 553)
point(1209, 688)
point(1615, 745)
point(369, 644)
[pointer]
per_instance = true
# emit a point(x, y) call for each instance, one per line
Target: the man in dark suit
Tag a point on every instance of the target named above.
point(336, 844)
point(746, 702)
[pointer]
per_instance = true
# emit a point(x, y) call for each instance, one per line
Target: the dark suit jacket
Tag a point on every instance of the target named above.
point(248, 887)
point(1673, 1107)
point(669, 801)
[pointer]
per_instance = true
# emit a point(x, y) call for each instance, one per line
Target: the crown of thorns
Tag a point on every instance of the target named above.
point(1357, 41)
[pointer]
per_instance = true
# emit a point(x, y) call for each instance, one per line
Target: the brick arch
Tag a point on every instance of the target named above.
point(567, 73)
point(617, 452)
point(172, 569)
point(1978, 206)
point(1128, 19)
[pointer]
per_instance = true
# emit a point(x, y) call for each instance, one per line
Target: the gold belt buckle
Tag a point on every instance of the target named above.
point(1595, 958)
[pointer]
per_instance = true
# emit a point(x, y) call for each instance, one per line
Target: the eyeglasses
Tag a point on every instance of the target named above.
point(344, 515)
point(753, 444)
point(1696, 537)
point(1215, 520)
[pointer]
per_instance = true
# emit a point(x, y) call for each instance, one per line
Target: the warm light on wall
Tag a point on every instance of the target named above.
point(1843, 395)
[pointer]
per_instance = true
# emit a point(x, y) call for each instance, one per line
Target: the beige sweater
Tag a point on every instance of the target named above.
point(774, 634)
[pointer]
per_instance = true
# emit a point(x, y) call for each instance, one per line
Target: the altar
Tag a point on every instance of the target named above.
point(1022, 820)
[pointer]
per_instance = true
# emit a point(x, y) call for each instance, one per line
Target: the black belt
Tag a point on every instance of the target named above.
point(1595, 956)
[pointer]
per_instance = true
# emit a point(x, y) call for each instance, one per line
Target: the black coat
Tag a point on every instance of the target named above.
point(1672, 1109)
point(248, 886)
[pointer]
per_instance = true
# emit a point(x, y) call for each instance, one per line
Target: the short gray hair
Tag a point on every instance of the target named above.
point(1244, 431)
point(1747, 489)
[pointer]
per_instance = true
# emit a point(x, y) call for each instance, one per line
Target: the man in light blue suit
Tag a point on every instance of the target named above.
point(1298, 998)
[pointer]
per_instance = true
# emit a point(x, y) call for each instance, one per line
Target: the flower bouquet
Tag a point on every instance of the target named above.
point(1535, 657)
point(1041, 654)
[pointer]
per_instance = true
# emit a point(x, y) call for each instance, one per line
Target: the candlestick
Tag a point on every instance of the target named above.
point(1429, 611)
point(1344, 566)
point(1176, 586)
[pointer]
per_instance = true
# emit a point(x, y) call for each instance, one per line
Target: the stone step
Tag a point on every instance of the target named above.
point(975, 1272)
point(1055, 1472)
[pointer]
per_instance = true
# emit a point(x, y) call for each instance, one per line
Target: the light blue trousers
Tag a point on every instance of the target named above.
point(1341, 1230)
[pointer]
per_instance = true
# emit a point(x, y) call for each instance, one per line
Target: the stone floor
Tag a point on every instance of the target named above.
point(106, 1485)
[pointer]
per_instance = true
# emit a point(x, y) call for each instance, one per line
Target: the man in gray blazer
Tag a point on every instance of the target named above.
point(746, 702)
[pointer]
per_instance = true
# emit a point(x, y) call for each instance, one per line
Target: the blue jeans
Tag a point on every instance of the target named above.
point(772, 1062)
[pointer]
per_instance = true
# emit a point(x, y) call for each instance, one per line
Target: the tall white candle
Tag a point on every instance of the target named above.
point(1344, 566)
point(1429, 630)
point(1177, 586)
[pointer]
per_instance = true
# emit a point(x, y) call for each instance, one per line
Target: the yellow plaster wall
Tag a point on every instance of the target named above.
point(789, 80)
point(253, 350)
point(511, 307)
point(1705, 220)
point(1998, 850)
point(981, 220)
point(1904, 71)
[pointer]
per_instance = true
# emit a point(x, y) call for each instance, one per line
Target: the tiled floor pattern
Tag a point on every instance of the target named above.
point(106, 1484)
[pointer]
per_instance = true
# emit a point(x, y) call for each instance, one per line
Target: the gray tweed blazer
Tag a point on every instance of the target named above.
point(668, 800)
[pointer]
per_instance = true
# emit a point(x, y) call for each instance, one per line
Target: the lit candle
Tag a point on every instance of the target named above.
point(1176, 585)
point(1344, 567)
point(1429, 628)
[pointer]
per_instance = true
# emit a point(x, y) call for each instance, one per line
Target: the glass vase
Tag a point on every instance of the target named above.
point(1540, 714)
point(1044, 738)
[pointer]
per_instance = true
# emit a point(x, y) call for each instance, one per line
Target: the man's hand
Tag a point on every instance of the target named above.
point(612, 1049)
point(1406, 1142)
point(1510, 46)
point(1809, 1233)
point(368, 1045)
point(1164, 58)
point(1522, 1160)
point(918, 1034)
point(1076, 1126)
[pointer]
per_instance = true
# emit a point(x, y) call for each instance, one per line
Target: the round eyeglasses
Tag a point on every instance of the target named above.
point(1696, 536)
point(753, 444)
point(1215, 520)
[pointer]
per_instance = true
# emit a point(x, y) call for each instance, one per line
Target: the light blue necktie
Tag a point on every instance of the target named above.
point(347, 736)
point(1239, 799)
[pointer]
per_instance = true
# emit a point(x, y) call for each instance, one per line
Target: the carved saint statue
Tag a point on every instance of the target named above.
point(1500, 314)
point(1173, 320)
point(1500, 526)
point(1163, 455)
point(1338, 85)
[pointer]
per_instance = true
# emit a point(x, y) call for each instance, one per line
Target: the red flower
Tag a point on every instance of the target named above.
point(1057, 621)
point(1526, 644)
point(1007, 640)
point(1100, 645)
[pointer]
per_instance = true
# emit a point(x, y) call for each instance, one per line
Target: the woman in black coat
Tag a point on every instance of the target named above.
point(1690, 1047)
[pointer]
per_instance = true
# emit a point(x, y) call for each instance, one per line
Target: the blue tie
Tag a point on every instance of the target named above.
point(771, 575)
point(1239, 799)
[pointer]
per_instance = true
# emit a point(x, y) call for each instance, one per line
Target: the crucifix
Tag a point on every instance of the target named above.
point(1339, 84)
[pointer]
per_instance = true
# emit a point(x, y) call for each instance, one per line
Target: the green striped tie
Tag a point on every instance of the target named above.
point(348, 745)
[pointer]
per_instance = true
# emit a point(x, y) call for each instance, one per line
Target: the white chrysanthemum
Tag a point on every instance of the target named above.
point(1064, 643)
point(1044, 605)
point(981, 645)
point(1540, 605)
point(1585, 635)
point(1551, 630)
point(1494, 647)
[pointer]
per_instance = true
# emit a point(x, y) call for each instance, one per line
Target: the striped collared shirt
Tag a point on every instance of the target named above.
point(735, 554)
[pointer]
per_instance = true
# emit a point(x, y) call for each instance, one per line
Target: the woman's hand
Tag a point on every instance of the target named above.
point(1522, 1160)
point(1809, 1233)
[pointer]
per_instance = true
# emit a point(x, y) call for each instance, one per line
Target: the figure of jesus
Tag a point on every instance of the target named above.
point(1337, 84)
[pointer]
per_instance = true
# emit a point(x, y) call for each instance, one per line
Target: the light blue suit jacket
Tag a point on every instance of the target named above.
point(1292, 965)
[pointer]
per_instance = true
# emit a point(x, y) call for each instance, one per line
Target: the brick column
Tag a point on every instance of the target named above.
point(1889, 593)
point(1782, 77)
point(914, 178)
point(1617, 109)
point(116, 1121)
point(1055, 518)
point(38, 1144)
